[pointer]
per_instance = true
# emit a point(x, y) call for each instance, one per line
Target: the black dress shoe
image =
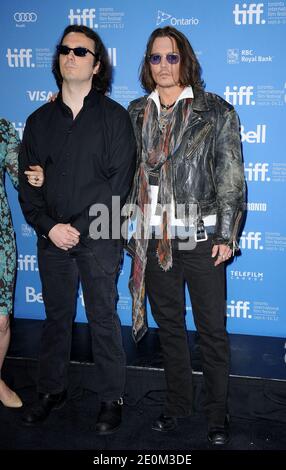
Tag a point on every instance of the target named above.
point(165, 423)
point(109, 417)
point(219, 435)
point(41, 409)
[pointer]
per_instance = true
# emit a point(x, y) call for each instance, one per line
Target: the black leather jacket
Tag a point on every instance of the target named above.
point(207, 169)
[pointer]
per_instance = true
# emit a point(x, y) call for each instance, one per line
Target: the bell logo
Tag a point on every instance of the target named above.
point(248, 14)
point(250, 240)
point(83, 17)
point(20, 58)
point(32, 297)
point(238, 309)
point(254, 137)
point(239, 96)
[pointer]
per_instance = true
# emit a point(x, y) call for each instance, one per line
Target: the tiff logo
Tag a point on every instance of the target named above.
point(239, 96)
point(84, 17)
point(20, 58)
point(238, 309)
point(250, 240)
point(254, 137)
point(256, 172)
point(246, 14)
point(27, 263)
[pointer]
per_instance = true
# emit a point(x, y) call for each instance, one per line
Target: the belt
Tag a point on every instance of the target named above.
point(181, 233)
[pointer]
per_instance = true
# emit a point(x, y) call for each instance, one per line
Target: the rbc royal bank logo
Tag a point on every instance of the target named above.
point(251, 241)
point(85, 17)
point(248, 14)
point(239, 95)
point(238, 309)
point(20, 58)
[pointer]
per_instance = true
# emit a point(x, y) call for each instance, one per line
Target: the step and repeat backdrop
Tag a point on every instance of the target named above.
point(241, 47)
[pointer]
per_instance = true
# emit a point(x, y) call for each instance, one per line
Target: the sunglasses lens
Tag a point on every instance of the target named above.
point(155, 59)
point(173, 58)
point(64, 50)
point(80, 51)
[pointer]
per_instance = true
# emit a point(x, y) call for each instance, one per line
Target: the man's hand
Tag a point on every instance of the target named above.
point(223, 253)
point(35, 175)
point(64, 236)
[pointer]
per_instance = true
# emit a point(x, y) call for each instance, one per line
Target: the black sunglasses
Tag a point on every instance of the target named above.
point(172, 58)
point(78, 51)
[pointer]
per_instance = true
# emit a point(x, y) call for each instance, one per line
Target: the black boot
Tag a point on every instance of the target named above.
point(165, 423)
point(41, 409)
point(109, 417)
point(219, 435)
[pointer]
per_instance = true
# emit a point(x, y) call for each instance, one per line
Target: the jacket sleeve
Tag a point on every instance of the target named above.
point(31, 198)
point(229, 179)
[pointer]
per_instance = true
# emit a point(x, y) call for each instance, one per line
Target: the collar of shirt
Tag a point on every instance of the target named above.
point(90, 100)
point(186, 93)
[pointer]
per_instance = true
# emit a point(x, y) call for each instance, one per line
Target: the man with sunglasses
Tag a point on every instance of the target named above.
point(85, 143)
point(190, 175)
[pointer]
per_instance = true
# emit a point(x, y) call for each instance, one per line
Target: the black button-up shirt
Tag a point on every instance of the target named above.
point(86, 160)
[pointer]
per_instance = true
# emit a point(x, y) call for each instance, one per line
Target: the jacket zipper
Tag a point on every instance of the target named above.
point(199, 140)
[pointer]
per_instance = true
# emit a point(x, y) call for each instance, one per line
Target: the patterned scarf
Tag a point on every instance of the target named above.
point(159, 143)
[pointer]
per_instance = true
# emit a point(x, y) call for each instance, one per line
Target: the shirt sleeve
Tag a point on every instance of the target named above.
point(31, 198)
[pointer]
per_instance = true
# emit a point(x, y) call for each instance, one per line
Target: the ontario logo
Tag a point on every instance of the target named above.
point(162, 17)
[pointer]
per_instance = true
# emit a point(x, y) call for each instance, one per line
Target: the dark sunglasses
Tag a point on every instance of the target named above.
point(78, 51)
point(172, 58)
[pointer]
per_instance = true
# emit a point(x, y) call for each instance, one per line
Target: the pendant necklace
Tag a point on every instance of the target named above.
point(166, 107)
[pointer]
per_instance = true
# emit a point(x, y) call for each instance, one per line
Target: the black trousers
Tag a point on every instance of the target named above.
point(166, 293)
point(96, 264)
